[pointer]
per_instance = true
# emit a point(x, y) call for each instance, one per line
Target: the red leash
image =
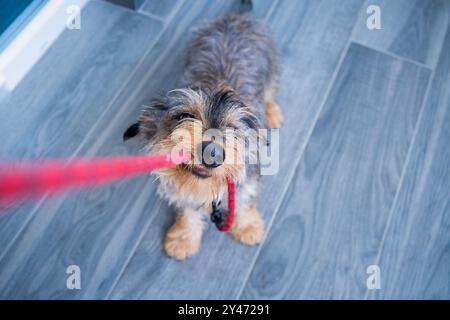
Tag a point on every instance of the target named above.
point(222, 222)
point(25, 180)
point(20, 181)
point(228, 223)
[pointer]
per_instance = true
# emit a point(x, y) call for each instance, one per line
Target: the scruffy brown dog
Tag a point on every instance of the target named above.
point(231, 70)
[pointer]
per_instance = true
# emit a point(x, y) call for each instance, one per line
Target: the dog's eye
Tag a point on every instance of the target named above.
point(184, 115)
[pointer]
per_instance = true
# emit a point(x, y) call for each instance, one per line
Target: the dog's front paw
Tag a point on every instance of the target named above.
point(252, 232)
point(180, 243)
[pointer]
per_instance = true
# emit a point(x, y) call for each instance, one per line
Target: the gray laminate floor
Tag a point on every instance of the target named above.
point(364, 173)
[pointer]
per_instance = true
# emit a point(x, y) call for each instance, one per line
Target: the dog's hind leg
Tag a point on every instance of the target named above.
point(184, 237)
point(274, 116)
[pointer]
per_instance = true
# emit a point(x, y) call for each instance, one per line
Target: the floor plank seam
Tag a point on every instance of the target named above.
point(271, 10)
point(393, 55)
point(402, 175)
point(23, 227)
point(150, 15)
point(172, 14)
point(137, 11)
point(297, 162)
point(168, 18)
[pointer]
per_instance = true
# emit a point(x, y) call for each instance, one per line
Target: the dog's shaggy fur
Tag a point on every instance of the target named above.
point(231, 69)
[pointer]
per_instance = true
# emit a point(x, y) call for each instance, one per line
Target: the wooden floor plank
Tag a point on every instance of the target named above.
point(334, 213)
point(414, 29)
point(310, 55)
point(414, 258)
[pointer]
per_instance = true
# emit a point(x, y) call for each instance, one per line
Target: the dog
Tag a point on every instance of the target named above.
point(231, 72)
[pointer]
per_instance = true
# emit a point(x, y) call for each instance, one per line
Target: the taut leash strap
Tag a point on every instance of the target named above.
point(19, 181)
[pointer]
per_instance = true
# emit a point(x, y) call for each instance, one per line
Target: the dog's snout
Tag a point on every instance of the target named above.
point(213, 155)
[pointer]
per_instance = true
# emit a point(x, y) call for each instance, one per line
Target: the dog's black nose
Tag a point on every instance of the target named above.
point(213, 155)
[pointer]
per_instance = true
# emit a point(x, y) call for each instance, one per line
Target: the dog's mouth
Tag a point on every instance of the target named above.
point(198, 171)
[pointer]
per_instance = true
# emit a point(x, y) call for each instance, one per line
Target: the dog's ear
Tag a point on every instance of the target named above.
point(147, 122)
point(131, 132)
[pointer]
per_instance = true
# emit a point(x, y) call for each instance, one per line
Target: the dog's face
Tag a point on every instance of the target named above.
point(213, 127)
